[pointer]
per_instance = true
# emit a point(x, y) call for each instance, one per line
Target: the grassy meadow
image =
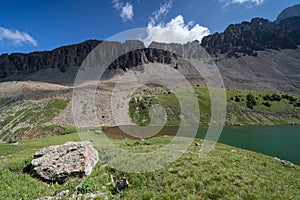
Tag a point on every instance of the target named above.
point(226, 173)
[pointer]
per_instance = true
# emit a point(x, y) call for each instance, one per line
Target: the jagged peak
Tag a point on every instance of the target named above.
point(256, 35)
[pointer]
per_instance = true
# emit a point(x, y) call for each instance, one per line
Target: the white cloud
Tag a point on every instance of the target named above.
point(175, 31)
point(162, 11)
point(228, 2)
point(117, 4)
point(127, 12)
point(126, 9)
point(16, 37)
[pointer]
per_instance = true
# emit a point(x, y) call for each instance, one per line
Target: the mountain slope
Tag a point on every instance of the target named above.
point(255, 55)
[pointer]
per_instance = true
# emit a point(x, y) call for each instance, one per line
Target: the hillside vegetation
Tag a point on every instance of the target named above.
point(243, 107)
point(22, 119)
point(26, 119)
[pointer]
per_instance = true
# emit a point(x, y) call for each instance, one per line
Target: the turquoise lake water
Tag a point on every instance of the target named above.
point(282, 142)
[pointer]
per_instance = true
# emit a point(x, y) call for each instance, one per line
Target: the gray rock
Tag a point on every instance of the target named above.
point(284, 162)
point(57, 163)
point(120, 185)
point(64, 195)
point(59, 196)
point(95, 195)
point(197, 144)
point(15, 144)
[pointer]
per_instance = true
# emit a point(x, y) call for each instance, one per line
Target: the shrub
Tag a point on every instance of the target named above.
point(237, 99)
point(289, 97)
point(276, 97)
point(267, 97)
point(249, 105)
point(267, 104)
point(293, 99)
point(297, 104)
point(251, 102)
point(89, 185)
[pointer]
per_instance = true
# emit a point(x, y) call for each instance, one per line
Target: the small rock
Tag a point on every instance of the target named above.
point(77, 189)
point(233, 151)
point(197, 144)
point(63, 195)
point(120, 185)
point(90, 195)
point(284, 162)
point(59, 196)
point(15, 144)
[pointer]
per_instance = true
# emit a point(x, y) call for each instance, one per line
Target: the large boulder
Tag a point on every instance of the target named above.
point(57, 163)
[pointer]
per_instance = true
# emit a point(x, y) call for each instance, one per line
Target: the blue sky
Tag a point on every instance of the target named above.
point(43, 25)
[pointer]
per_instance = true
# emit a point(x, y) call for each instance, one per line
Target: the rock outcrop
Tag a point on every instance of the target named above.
point(257, 35)
point(61, 58)
point(293, 11)
point(57, 163)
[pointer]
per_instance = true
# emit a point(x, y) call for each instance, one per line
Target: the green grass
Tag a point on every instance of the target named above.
point(283, 112)
point(25, 115)
point(59, 129)
point(223, 174)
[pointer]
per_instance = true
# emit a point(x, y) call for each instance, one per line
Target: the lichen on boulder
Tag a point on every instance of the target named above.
point(57, 163)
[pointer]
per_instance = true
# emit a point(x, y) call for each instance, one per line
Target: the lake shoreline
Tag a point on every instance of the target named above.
point(277, 141)
point(203, 126)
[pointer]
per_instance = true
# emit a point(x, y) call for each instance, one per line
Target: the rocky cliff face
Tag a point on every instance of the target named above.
point(169, 54)
point(61, 65)
point(293, 11)
point(61, 58)
point(257, 35)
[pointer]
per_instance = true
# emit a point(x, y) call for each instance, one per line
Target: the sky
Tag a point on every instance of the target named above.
point(32, 25)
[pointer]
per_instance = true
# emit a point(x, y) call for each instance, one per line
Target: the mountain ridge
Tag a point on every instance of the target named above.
point(257, 35)
point(259, 54)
